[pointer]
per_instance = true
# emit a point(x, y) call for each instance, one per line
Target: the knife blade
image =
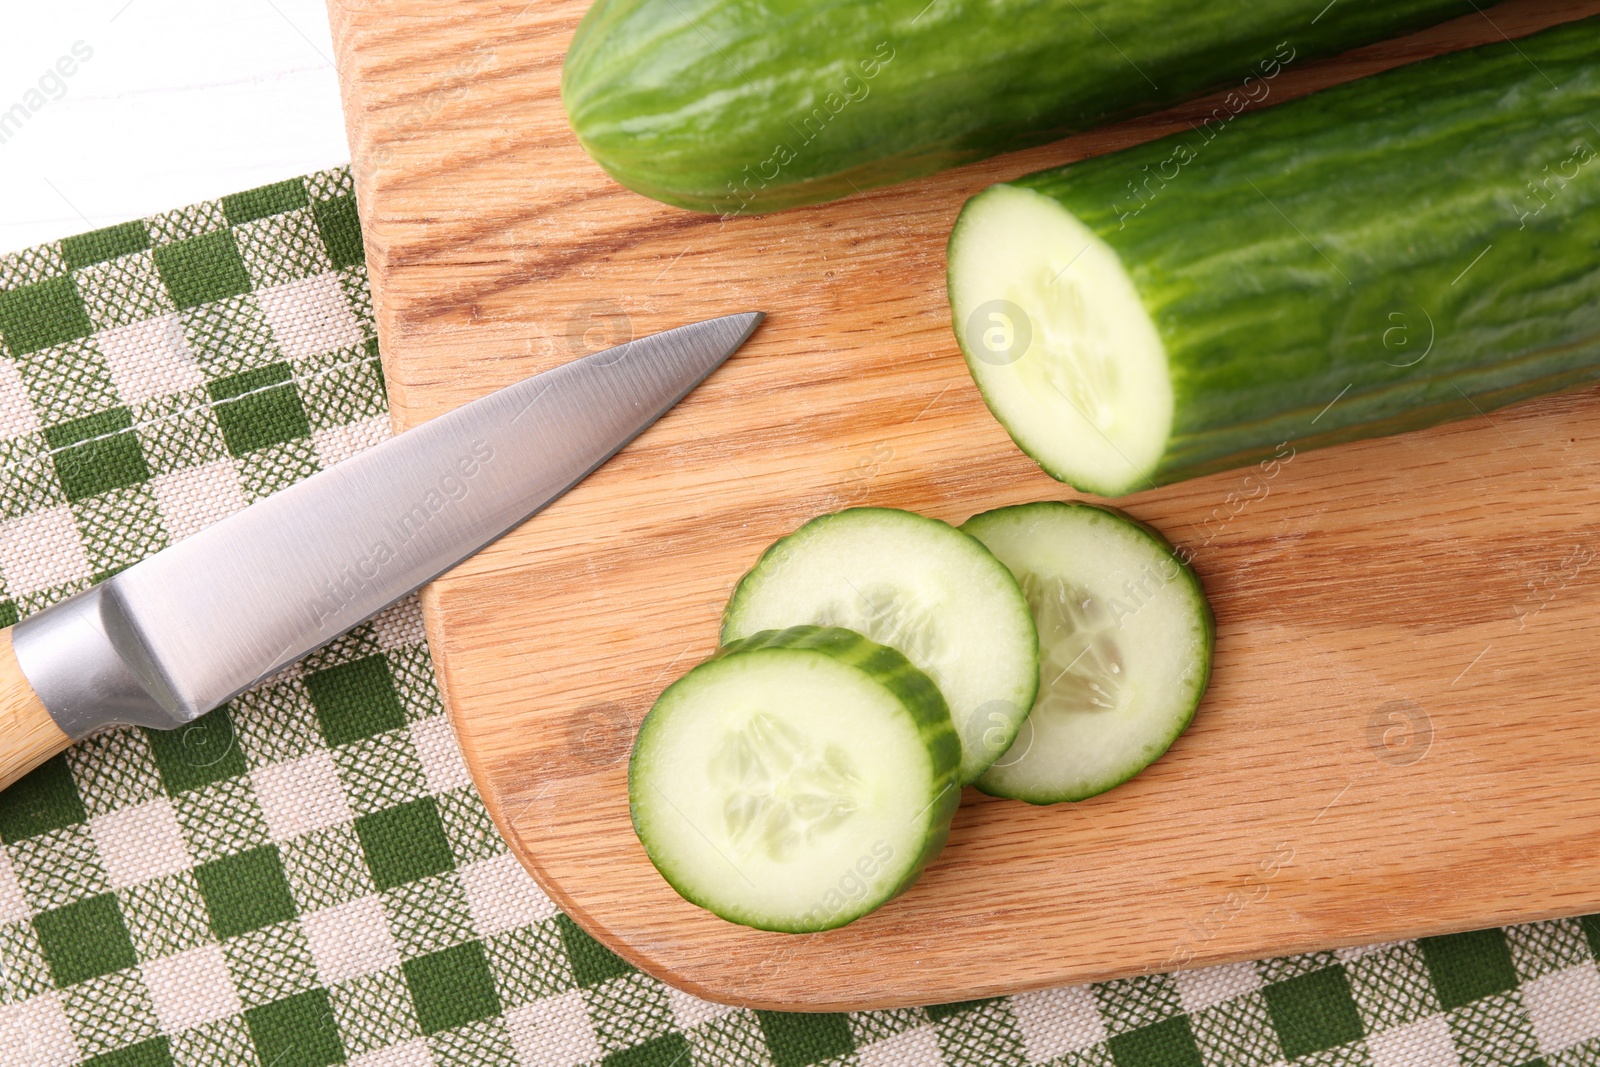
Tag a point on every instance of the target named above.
point(187, 629)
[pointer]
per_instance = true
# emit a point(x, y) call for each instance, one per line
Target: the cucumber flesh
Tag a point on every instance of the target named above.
point(1125, 641)
point(1058, 341)
point(918, 585)
point(796, 780)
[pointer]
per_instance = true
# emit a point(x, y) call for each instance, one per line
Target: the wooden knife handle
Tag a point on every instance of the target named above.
point(28, 735)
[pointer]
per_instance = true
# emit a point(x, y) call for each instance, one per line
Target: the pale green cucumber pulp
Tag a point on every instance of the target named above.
point(1059, 341)
point(1125, 642)
point(796, 780)
point(920, 586)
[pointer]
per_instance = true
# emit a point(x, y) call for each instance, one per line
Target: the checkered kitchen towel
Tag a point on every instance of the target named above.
point(307, 877)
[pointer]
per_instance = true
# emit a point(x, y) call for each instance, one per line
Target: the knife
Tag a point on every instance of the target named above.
point(194, 625)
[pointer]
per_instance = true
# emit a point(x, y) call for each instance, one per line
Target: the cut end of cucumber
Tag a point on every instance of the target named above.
point(1058, 341)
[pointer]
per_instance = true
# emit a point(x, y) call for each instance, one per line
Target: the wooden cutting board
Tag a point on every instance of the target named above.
point(1399, 738)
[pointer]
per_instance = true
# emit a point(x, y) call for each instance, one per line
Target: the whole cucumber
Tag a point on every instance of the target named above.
point(748, 106)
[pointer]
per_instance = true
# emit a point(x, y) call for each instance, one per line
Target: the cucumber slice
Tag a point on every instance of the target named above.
point(796, 780)
point(918, 585)
point(1125, 639)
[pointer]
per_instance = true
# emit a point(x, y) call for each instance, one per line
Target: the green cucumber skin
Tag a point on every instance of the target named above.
point(915, 691)
point(1207, 615)
point(1401, 180)
point(690, 101)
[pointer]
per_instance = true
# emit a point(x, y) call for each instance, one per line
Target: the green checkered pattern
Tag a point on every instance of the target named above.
point(306, 876)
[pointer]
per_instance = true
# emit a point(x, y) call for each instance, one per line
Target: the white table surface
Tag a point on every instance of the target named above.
point(179, 101)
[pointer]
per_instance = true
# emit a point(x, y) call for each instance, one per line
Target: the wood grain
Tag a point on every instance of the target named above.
point(28, 735)
point(1398, 739)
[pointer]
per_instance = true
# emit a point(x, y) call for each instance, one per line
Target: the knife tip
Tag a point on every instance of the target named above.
point(747, 321)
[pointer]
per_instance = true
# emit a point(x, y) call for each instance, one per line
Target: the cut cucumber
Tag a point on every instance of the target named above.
point(918, 585)
point(1125, 638)
point(796, 780)
point(1382, 256)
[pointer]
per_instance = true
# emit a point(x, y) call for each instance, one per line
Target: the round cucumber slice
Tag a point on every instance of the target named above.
point(796, 780)
point(1125, 640)
point(918, 585)
point(1058, 341)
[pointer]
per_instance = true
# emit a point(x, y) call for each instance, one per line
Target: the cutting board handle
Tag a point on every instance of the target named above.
point(28, 735)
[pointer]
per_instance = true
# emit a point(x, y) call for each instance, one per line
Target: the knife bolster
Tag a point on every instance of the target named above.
point(28, 735)
point(84, 659)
